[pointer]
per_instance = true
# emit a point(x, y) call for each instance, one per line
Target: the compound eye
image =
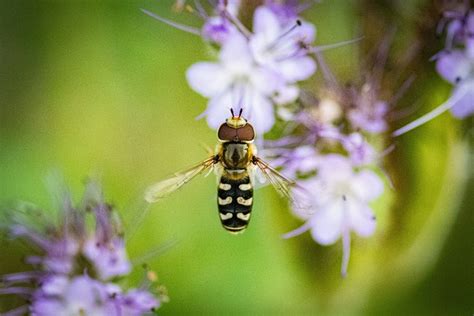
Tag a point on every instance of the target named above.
point(226, 132)
point(246, 133)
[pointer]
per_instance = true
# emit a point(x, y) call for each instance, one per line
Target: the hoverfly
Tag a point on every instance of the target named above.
point(235, 163)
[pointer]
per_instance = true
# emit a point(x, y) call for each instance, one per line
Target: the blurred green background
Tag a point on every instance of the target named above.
point(97, 87)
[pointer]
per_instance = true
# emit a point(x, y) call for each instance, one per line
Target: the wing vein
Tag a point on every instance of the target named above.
point(162, 189)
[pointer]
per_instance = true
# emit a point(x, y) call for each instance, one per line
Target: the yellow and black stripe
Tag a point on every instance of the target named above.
point(235, 200)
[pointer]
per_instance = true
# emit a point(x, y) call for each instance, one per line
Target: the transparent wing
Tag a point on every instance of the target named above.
point(281, 183)
point(284, 185)
point(165, 187)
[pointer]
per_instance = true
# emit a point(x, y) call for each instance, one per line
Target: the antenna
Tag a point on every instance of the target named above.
point(240, 112)
point(232, 112)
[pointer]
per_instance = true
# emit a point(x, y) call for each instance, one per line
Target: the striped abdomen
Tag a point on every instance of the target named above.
point(235, 199)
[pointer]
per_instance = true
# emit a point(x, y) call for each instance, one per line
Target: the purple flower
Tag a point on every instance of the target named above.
point(137, 302)
point(82, 295)
point(327, 152)
point(370, 116)
point(282, 48)
point(459, 24)
point(75, 265)
point(358, 106)
point(286, 11)
point(457, 67)
point(218, 29)
point(299, 161)
point(366, 111)
point(110, 259)
point(469, 33)
point(236, 80)
point(359, 150)
point(340, 197)
point(63, 296)
point(59, 252)
point(255, 71)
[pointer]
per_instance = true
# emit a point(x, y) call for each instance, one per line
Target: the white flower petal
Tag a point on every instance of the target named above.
point(361, 218)
point(335, 167)
point(454, 65)
point(367, 185)
point(287, 94)
point(55, 285)
point(327, 224)
point(218, 109)
point(43, 307)
point(208, 79)
point(306, 32)
point(284, 113)
point(108, 260)
point(236, 51)
point(259, 46)
point(265, 80)
point(84, 292)
point(265, 22)
point(296, 69)
point(318, 190)
point(260, 111)
point(465, 106)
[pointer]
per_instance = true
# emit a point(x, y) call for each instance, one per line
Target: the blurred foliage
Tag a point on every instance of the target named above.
point(97, 87)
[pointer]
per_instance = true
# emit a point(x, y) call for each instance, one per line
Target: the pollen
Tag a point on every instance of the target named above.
point(152, 276)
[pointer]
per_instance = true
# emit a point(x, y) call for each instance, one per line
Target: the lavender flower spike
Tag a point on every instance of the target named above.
point(73, 272)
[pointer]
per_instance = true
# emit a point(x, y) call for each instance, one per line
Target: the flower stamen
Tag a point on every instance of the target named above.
point(433, 114)
point(273, 44)
point(242, 29)
point(176, 25)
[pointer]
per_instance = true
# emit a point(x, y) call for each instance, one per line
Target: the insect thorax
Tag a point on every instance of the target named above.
point(236, 155)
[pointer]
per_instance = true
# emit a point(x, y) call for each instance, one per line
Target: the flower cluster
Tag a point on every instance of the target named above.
point(339, 203)
point(455, 63)
point(76, 268)
point(329, 155)
point(327, 152)
point(256, 69)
